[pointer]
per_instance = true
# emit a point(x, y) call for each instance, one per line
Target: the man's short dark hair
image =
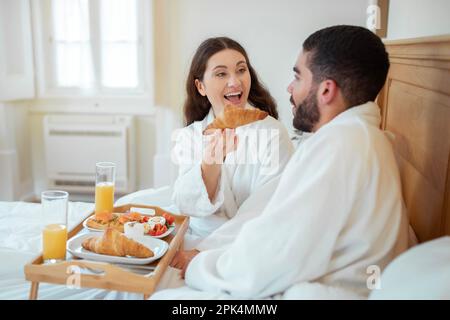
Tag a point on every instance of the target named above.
point(353, 57)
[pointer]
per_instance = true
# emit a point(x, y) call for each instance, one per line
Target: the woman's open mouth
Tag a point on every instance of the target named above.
point(234, 97)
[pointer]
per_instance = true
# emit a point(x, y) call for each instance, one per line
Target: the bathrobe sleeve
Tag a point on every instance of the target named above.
point(294, 237)
point(275, 153)
point(190, 194)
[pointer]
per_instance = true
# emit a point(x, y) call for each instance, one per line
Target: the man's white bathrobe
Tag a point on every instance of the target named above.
point(264, 149)
point(336, 216)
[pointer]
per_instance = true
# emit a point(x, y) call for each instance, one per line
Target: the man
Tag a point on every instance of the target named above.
point(337, 214)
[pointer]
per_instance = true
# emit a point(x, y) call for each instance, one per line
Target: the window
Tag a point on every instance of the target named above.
point(71, 42)
point(95, 47)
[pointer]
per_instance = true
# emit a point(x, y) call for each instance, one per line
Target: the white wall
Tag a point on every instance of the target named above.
point(418, 18)
point(16, 180)
point(7, 156)
point(271, 31)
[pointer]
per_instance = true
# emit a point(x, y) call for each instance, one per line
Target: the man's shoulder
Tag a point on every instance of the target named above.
point(352, 132)
point(349, 139)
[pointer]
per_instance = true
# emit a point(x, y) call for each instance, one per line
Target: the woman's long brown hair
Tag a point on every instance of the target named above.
point(196, 107)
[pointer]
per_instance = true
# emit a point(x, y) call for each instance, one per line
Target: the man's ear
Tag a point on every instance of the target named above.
point(328, 91)
point(200, 87)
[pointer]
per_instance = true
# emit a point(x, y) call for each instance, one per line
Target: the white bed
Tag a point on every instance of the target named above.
point(20, 243)
point(415, 105)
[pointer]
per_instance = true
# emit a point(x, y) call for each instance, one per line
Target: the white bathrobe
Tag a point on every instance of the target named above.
point(336, 215)
point(264, 149)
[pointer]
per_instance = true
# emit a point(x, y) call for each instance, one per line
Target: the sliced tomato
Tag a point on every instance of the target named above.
point(169, 218)
point(158, 230)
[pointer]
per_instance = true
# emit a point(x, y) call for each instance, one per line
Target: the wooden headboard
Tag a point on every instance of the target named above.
point(415, 104)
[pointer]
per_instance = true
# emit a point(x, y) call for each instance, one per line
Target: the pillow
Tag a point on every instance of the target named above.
point(422, 272)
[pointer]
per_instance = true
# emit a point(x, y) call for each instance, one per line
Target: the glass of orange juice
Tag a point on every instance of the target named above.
point(105, 175)
point(54, 234)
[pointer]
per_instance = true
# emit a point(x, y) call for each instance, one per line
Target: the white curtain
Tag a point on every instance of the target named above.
point(73, 52)
point(111, 46)
point(119, 43)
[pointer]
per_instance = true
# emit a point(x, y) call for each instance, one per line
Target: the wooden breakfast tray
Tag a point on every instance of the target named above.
point(111, 277)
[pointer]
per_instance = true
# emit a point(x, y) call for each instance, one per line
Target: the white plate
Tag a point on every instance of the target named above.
point(159, 248)
point(165, 234)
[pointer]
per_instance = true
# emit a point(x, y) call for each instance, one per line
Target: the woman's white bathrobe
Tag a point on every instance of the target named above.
point(264, 149)
point(335, 218)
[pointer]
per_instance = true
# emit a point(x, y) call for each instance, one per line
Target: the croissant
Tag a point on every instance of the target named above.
point(114, 243)
point(234, 117)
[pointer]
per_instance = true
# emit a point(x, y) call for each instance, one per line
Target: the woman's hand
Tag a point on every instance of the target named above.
point(219, 144)
point(182, 259)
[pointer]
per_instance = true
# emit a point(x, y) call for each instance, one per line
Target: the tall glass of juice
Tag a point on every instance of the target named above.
point(105, 175)
point(54, 234)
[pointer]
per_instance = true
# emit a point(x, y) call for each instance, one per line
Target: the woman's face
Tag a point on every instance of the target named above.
point(226, 80)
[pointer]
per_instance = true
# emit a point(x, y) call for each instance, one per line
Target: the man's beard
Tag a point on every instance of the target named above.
point(307, 112)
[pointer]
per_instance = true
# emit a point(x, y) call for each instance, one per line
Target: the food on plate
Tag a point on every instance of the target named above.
point(104, 216)
point(114, 223)
point(234, 117)
point(157, 220)
point(169, 218)
point(114, 243)
point(157, 229)
point(159, 225)
point(131, 216)
point(118, 221)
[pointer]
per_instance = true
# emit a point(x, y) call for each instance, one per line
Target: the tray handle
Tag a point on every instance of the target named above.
point(100, 275)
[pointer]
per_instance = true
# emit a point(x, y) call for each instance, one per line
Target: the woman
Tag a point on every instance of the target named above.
point(211, 188)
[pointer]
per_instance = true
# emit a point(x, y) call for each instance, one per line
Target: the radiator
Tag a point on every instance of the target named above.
point(74, 143)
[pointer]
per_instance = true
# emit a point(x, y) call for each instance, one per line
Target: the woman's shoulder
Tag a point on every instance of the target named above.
point(196, 126)
point(200, 125)
point(190, 132)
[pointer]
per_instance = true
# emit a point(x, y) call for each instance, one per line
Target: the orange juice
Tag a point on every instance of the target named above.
point(104, 201)
point(54, 238)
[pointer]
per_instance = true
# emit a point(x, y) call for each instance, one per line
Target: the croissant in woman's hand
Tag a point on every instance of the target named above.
point(115, 243)
point(234, 117)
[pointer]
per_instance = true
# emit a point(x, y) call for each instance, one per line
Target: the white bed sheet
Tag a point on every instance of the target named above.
point(20, 242)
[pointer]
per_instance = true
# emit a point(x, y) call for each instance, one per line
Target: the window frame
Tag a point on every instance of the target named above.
point(45, 53)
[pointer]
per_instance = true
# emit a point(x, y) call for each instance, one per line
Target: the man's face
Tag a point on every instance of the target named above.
point(304, 96)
